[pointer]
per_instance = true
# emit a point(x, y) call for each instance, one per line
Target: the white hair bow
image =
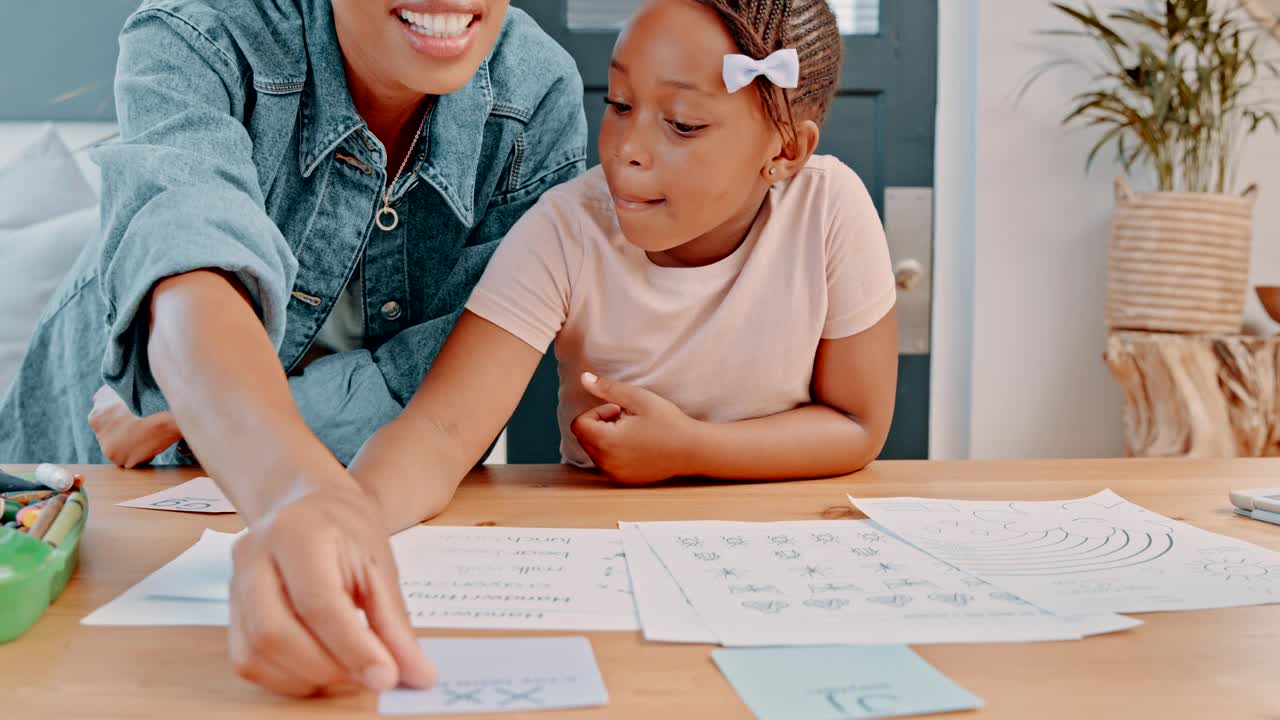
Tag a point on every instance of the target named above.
point(782, 68)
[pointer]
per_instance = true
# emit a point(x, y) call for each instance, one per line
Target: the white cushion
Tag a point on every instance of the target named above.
point(48, 212)
point(42, 182)
point(79, 136)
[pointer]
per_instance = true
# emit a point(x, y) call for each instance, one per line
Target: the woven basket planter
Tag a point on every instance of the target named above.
point(1179, 261)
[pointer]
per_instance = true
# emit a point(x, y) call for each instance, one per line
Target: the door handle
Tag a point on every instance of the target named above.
point(908, 225)
point(908, 274)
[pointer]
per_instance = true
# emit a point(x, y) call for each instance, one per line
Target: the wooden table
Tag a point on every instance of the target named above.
point(1209, 664)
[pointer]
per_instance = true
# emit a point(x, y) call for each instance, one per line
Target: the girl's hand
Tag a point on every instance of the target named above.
point(126, 439)
point(636, 437)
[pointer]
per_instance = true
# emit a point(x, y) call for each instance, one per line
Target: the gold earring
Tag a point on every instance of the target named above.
point(773, 171)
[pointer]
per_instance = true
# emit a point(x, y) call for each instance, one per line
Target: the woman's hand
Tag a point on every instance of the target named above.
point(126, 439)
point(302, 573)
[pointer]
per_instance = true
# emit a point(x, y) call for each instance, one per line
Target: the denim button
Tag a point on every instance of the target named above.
point(391, 310)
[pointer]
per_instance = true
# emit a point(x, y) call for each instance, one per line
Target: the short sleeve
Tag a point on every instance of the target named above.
point(860, 283)
point(527, 286)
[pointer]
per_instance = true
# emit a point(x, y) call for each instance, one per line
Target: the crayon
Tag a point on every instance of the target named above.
point(28, 497)
point(27, 515)
point(13, 483)
point(47, 515)
point(55, 476)
point(66, 521)
point(10, 511)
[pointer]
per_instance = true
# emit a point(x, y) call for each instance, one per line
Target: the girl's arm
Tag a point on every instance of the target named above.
point(412, 466)
point(855, 382)
point(639, 438)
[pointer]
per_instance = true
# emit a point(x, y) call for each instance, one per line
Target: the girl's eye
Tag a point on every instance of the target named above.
point(619, 107)
point(684, 128)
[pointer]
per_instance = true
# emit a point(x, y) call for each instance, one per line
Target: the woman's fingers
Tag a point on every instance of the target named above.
point(321, 581)
point(269, 644)
point(383, 605)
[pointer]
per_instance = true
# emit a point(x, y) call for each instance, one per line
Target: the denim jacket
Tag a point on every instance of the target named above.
point(241, 150)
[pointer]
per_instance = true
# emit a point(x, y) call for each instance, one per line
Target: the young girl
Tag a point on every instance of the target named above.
point(720, 298)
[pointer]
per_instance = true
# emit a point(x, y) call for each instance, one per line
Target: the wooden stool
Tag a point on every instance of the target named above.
point(1203, 396)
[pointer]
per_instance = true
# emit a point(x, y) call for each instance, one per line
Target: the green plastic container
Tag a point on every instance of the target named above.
point(32, 574)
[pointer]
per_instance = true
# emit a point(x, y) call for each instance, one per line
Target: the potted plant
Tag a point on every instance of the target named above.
point(1175, 93)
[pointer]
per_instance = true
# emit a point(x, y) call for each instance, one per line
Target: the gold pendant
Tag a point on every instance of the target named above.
point(390, 224)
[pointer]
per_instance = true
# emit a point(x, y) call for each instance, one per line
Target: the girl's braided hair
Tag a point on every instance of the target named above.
point(761, 27)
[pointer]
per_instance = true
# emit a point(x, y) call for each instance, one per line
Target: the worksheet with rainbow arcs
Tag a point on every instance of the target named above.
point(1100, 553)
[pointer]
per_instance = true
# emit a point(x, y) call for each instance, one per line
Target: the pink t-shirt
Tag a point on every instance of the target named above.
point(729, 341)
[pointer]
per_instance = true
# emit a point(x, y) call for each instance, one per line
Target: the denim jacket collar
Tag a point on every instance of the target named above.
point(455, 134)
point(456, 141)
point(328, 114)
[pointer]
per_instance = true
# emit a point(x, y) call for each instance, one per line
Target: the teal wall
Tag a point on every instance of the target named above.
point(49, 49)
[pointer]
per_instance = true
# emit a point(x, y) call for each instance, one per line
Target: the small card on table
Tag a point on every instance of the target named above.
point(196, 496)
point(836, 681)
point(503, 675)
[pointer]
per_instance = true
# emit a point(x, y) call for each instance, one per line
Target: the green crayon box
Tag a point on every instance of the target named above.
point(33, 572)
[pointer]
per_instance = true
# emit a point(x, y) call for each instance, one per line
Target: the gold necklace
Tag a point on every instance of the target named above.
point(387, 211)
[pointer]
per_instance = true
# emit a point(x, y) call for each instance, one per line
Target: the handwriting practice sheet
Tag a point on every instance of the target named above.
point(451, 577)
point(524, 578)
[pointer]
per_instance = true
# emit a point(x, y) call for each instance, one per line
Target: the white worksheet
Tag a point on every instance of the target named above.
point(518, 578)
point(842, 582)
point(451, 577)
point(189, 591)
point(1096, 554)
point(665, 613)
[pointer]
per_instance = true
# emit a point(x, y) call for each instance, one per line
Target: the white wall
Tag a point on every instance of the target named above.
point(950, 400)
point(1035, 384)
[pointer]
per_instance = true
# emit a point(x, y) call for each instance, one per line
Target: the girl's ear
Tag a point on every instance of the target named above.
point(794, 155)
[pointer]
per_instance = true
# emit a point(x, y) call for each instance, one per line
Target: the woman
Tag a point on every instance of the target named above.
point(294, 175)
